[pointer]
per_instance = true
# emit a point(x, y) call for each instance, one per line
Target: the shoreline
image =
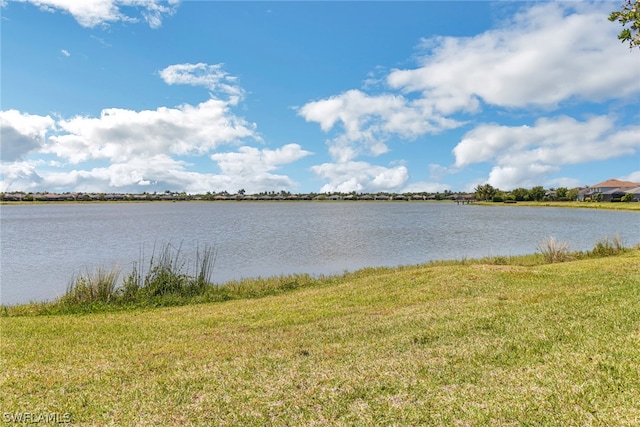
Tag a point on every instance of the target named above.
point(624, 206)
point(200, 289)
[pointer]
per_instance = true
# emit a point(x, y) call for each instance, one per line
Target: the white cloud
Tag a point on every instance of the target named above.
point(21, 133)
point(548, 55)
point(526, 155)
point(212, 77)
point(90, 13)
point(427, 187)
point(145, 150)
point(360, 177)
point(139, 147)
point(21, 175)
point(250, 167)
point(65, 52)
point(368, 121)
point(545, 56)
point(119, 134)
point(250, 160)
point(632, 177)
point(160, 171)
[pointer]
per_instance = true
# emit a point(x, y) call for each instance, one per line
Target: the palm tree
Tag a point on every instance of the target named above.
point(485, 192)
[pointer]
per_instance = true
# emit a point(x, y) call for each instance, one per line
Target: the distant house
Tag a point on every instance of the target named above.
point(610, 189)
point(635, 192)
point(585, 194)
point(13, 197)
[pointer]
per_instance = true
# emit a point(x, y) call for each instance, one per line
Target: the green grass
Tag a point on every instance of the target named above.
point(472, 342)
point(631, 206)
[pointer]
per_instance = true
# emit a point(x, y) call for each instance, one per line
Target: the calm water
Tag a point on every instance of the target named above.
point(44, 246)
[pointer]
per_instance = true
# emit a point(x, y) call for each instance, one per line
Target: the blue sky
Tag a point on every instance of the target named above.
point(197, 96)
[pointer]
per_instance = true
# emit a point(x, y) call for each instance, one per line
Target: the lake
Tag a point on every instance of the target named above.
point(43, 246)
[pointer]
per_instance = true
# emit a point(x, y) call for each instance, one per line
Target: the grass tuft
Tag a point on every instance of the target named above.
point(553, 250)
point(99, 286)
point(608, 246)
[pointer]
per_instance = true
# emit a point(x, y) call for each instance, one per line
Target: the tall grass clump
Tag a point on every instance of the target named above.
point(100, 286)
point(608, 246)
point(131, 285)
point(553, 250)
point(166, 276)
point(166, 273)
point(205, 261)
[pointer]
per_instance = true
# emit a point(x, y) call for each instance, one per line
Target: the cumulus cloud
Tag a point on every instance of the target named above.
point(120, 134)
point(21, 175)
point(249, 168)
point(545, 57)
point(360, 177)
point(525, 155)
point(368, 121)
point(21, 133)
point(91, 13)
point(156, 173)
point(250, 160)
point(426, 187)
point(145, 150)
point(212, 77)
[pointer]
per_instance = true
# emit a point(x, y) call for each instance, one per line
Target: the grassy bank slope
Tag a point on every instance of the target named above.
point(555, 344)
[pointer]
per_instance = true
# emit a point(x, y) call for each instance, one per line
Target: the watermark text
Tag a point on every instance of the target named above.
point(36, 417)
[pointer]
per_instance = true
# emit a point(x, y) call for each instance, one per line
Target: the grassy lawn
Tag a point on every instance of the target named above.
point(443, 344)
point(586, 205)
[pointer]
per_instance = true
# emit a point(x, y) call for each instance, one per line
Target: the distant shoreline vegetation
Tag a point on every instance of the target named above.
point(482, 193)
point(612, 190)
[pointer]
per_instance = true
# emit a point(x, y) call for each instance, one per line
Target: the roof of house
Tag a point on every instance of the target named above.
point(615, 183)
point(615, 191)
point(633, 190)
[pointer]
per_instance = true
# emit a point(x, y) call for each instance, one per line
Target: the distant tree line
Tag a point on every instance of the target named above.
point(483, 192)
point(486, 192)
